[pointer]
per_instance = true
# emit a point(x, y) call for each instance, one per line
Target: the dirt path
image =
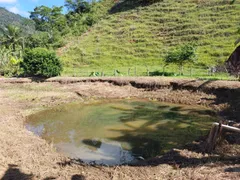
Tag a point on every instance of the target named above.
point(26, 156)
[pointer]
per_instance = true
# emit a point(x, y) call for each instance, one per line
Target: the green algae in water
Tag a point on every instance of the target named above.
point(117, 131)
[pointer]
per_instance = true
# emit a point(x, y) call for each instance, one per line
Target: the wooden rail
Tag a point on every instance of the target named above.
point(215, 133)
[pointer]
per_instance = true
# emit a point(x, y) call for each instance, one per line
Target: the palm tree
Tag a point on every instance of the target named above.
point(12, 36)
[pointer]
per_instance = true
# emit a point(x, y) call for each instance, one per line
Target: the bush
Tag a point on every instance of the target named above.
point(41, 62)
point(158, 73)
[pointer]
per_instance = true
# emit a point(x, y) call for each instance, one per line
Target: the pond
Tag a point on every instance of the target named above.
point(115, 132)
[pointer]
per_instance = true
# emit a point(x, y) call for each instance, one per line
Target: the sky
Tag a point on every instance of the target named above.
point(23, 7)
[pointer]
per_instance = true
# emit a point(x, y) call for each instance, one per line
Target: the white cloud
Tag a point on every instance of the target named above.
point(16, 10)
point(8, 1)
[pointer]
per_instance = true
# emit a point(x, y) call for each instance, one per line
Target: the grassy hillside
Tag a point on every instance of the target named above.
point(135, 35)
point(7, 17)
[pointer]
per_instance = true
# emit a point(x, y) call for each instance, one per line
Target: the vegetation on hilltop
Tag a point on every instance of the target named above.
point(135, 34)
point(7, 18)
point(52, 28)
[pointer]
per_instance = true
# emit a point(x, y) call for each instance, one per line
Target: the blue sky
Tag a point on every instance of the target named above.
point(23, 7)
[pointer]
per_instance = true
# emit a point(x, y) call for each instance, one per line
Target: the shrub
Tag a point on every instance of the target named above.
point(93, 74)
point(11, 68)
point(41, 62)
point(158, 73)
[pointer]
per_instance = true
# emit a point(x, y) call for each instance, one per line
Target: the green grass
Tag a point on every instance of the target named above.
point(136, 71)
point(142, 36)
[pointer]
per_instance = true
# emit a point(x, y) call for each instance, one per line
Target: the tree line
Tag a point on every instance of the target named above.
point(52, 26)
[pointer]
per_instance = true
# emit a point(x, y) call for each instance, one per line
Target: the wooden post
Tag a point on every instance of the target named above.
point(163, 70)
point(215, 133)
point(129, 69)
point(191, 71)
point(211, 141)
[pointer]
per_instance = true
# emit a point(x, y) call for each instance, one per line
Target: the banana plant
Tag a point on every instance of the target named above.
point(4, 56)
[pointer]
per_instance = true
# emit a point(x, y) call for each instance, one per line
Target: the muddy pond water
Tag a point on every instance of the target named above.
point(116, 132)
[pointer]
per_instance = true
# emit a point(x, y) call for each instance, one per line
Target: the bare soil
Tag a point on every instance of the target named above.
point(23, 155)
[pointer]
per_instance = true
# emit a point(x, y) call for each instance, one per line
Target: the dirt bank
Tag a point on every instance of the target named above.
point(26, 156)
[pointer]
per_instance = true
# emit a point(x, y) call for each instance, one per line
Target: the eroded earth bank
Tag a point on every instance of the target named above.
point(24, 155)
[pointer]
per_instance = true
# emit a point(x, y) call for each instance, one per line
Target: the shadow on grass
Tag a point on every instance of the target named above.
point(229, 96)
point(234, 169)
point(126, 5)
point(78, 177)
point(176, 159)
point(14, 173)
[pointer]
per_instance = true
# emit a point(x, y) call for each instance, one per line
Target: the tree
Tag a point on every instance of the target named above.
point(41, 17)
point(77, 6)
point(12, 36)
point(39, 39)
point(180, 56)
point(51, 21)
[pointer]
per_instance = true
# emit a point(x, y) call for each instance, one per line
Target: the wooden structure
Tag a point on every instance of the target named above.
point(215, 134)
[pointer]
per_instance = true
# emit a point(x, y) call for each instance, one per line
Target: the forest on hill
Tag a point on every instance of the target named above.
point(7, 18)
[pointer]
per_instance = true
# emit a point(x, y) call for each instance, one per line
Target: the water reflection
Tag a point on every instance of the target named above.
point(119, 131)
point(106, 153)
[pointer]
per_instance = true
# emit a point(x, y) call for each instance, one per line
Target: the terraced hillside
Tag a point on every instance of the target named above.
point(141, 35)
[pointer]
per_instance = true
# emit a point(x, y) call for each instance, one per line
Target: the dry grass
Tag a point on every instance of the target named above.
point(26, 156)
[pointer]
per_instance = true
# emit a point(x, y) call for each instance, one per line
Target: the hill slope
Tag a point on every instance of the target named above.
point(141, 35)
point(7, 17)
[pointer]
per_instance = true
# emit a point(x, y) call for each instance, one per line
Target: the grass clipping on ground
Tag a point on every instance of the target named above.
point(24, 155)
